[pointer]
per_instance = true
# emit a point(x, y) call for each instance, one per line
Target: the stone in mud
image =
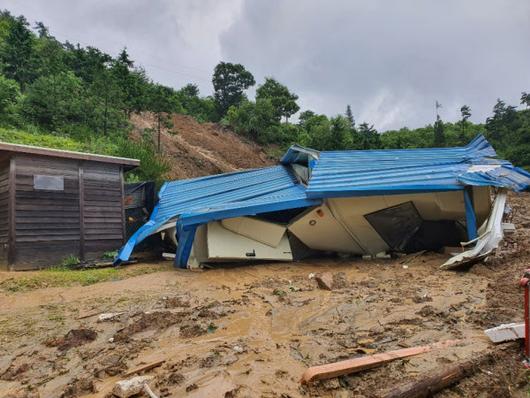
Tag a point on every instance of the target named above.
point(151, 320)
point(188, 331)
point(324, 281)
point(339, 281)
point(109, 316)
point(73, 338)
point(130, 387)
point(77, 387)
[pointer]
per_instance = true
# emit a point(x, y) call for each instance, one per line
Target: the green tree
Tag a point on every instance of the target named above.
point(56, 101)
point(9, 97)
point(16, 52)
point(503, 121)
point(349, 116)
point(256, 120)
point(465, 112)
point(525, 99)
point(283, 101)
point(439, 135)
point(340, 133)
point(162, 103)
point(229, 82)
point(366, 137)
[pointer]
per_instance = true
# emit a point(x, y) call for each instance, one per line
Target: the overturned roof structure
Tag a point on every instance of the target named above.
point(358, 201)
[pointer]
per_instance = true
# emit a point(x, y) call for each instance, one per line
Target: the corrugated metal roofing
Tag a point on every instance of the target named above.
point(333, 173)
point(372, 172)
point(214, 197)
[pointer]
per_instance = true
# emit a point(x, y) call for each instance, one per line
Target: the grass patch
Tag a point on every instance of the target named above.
point(66, 277)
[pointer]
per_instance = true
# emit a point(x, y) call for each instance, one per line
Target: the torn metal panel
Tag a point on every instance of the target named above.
point(491, 234)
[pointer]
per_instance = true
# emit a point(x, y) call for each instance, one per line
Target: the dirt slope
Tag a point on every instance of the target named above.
point(197, 149)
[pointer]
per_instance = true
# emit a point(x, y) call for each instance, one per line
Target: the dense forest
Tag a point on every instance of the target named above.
point(67, 96)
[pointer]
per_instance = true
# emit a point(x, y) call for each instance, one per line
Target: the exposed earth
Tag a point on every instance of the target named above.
point(251, 331)
point(194, 149)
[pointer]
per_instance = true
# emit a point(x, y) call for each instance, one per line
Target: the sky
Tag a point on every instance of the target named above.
point(390, 60)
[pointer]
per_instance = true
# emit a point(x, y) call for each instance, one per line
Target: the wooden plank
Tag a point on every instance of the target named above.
point(122, 197)
point(430, 383)
point(81, 184)
point(12, 251)
point(341, 368)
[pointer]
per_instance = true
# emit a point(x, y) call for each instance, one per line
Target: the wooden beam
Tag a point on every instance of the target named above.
point(341, 368)
point(81, 184)
point(11, 210)
point(433, 382)
point(122, 201)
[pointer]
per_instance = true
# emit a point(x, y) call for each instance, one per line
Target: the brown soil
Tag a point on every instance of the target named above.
point(196, 149)
point(251, 331)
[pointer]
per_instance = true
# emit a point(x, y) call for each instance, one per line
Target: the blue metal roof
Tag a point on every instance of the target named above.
point(374, 172)
point(204, 199)
point(196, 201)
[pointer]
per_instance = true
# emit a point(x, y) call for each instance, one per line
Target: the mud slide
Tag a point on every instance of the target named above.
point(251, 331)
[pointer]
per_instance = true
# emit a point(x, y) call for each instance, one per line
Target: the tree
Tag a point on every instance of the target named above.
point(9, 96)
point(256, 120)
point(56, 101)
point(366, 137)
point(229, 82)
point(439, 135)
point(16, 53)
point(161, 103)
point(349, 116)
point(340, 129)
point(283, 101)
point(465, 112)
point(503, 121)
point(525, 99)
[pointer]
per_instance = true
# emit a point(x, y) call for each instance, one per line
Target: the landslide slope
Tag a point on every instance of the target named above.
point(195, 149)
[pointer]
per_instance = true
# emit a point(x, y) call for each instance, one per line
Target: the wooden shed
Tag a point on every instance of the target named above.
point(55, 204)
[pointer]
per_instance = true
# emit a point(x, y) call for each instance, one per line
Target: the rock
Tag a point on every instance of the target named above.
point(130, 387)
point(324, 281)
point(109, 316)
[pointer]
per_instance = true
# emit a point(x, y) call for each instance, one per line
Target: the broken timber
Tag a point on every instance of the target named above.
point(427, 385)
point(341, 368)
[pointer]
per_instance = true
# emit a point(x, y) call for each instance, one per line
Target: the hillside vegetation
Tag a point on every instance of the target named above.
point(67, 96)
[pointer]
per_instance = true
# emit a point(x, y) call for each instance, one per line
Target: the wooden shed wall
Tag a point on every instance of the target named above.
point(52, 225)
point(4, 223)
point(103, 211)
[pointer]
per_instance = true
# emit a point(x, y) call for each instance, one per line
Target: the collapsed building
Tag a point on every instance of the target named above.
point(360, 202)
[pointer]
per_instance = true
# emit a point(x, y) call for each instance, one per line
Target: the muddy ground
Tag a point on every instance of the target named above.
point(252, 331)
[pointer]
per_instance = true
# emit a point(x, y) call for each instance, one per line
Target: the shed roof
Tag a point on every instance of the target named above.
point(59, 153)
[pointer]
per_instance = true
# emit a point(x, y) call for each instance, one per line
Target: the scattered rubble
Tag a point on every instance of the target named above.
point(261, 342)
point(73, 338)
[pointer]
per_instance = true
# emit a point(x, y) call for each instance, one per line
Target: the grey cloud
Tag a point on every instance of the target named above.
point(389, 59)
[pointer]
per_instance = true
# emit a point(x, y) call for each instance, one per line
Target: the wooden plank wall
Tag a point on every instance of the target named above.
point(52, 225)
point(4, 222)
point(103, 211)
point(47, 222)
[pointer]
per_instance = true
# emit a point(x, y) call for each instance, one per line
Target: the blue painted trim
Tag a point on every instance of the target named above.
point(186, 236)
point(383, 191)
point(188, 219)
point(471, 218)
